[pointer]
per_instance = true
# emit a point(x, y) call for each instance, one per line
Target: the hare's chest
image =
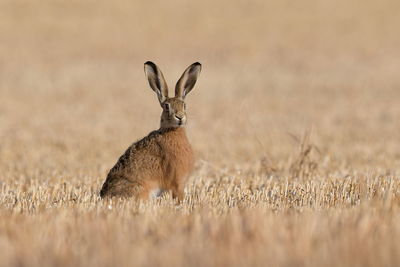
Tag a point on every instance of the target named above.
point(179, 158)
point(181, 153)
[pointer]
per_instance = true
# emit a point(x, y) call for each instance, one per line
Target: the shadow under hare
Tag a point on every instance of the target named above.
point(162, 160)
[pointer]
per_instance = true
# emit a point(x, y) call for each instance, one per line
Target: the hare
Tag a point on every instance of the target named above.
point(162, 160)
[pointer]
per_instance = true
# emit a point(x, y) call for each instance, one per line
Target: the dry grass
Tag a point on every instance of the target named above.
point(295, 123)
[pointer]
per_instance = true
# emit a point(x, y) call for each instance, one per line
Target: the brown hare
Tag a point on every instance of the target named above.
point(162, 160)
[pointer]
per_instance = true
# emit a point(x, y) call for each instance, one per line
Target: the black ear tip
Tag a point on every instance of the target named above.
point(149, 63)
point(195, 66)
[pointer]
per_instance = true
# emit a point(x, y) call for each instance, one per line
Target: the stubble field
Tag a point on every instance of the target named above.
point(294, 122)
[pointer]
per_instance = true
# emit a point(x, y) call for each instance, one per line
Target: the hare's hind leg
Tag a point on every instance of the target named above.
point(120, 187)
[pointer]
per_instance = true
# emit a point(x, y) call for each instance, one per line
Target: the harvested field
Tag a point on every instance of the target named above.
point(294, 122)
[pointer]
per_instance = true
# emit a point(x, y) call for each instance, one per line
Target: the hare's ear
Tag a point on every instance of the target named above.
point(188, 80)
point(156, 80)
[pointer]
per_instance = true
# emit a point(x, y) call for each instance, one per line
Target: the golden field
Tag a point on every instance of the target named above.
point(294, 121)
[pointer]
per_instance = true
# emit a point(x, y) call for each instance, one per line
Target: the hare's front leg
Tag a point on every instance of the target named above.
point(178, 192)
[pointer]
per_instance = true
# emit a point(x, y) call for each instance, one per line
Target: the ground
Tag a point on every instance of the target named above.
point(294, 122)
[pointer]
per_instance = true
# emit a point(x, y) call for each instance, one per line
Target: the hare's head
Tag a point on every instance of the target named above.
point(174, 108)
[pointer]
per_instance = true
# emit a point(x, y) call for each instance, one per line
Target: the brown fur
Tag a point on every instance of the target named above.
point(163, 159)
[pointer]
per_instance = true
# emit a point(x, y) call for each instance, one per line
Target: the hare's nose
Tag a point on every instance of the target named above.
point(178, 117)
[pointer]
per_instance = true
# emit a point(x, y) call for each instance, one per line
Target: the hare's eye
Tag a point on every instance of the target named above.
point(166, 106)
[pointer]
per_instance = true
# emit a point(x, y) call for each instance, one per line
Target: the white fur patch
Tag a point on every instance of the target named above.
point(155, 193)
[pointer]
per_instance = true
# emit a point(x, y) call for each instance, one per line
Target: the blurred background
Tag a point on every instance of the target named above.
point(73, 94)
point(294, 121)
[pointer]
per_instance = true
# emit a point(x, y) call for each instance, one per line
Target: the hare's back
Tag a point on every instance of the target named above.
point(141, 158)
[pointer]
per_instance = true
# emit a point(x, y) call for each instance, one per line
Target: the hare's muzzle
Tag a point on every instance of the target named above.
point(179, 118)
